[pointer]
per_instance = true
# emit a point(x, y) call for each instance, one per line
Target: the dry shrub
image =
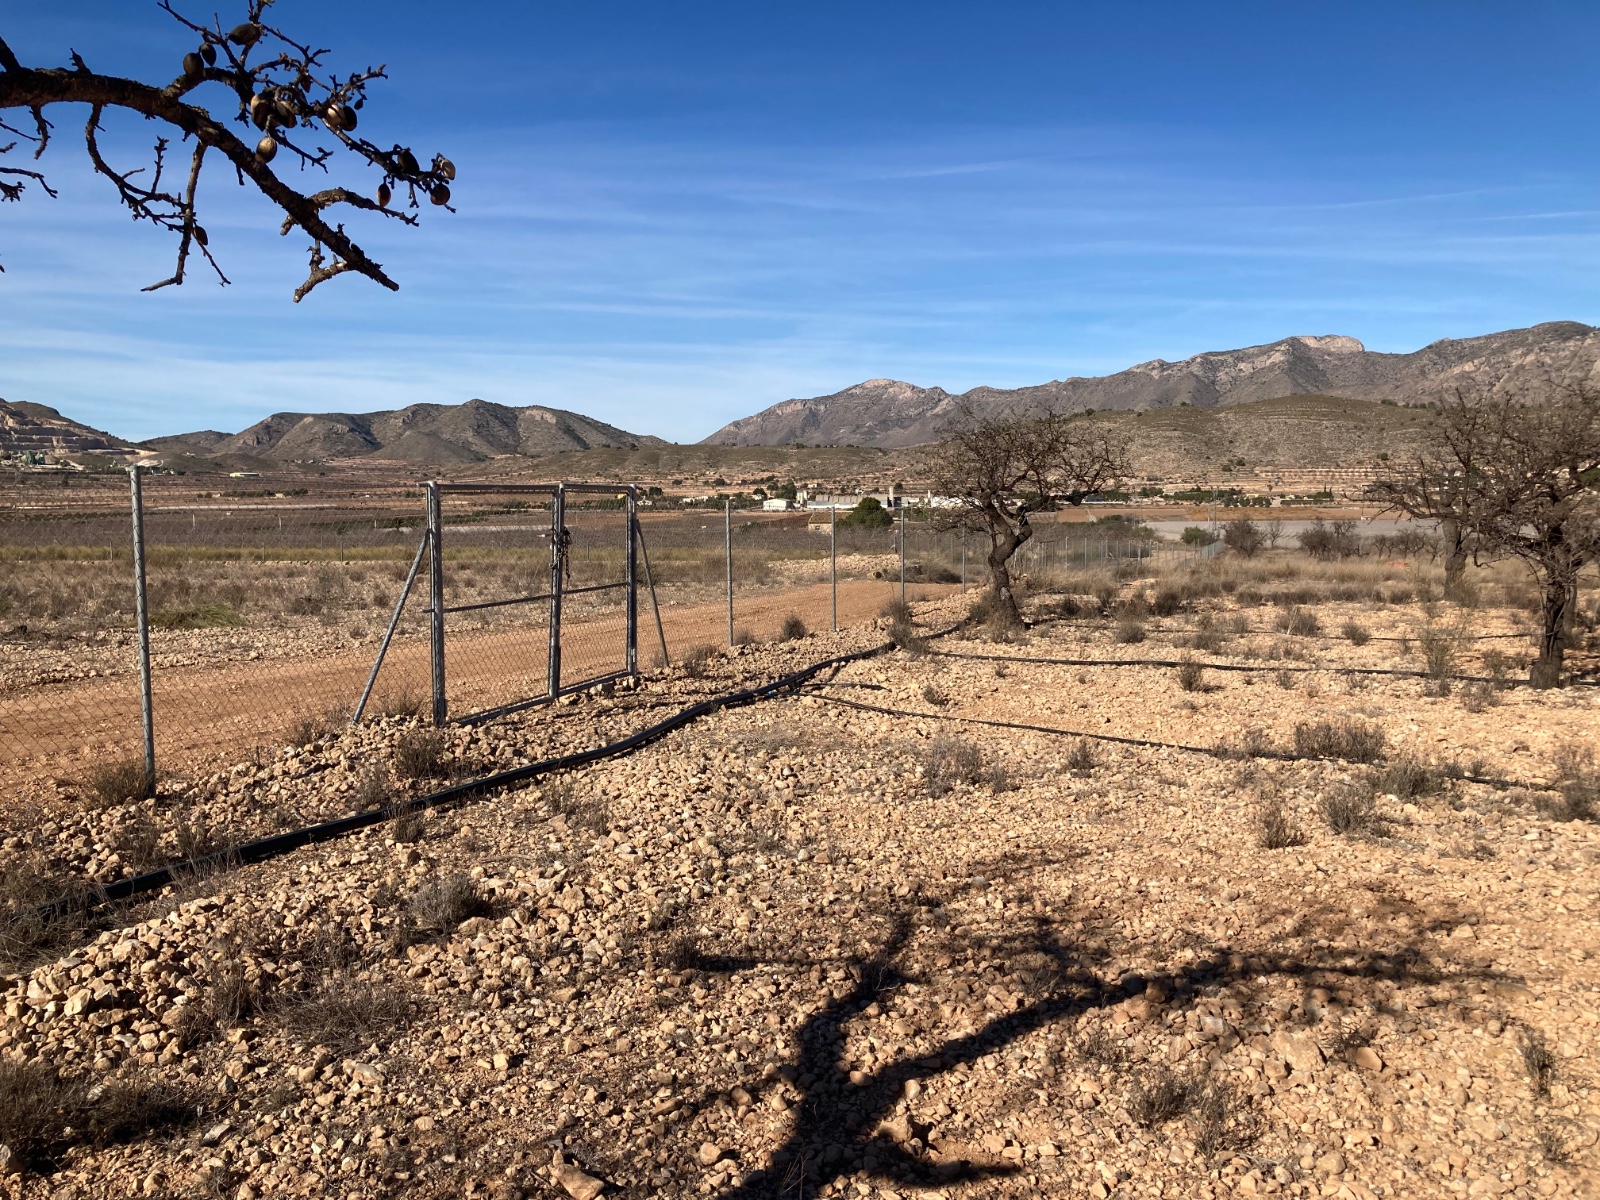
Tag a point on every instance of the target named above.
point(43, 1112)
point(230, 998)
point(1346, 738)
point(1191, 675)
point(1159, 1095)
point(1553, 1145)
point(344, 1014)
point(193, 836)
point(1165, 602)
point(373, 789)
point(1407, 778)
point(793, 629)
point(27, 884)
point(402, 703)
point(1212, 635)
point(201, 616)
point(1298, 622)
point(1441, 645)
point(1578, 794)
point(420, 753)
point(1101, 1046)
point(1349, 809)
point(138, 845)
point(1477, 696)
point(120, 782)
point(406, 825)
point(1356, 632)
point(933, 696)
point(1129, 632)
point(313, 728)
point(1081, 759)
point(949, 763)
point(697, 660)
point(1539, 1061)
point(1222, 1122)
point(1275, 828)
point(898, 612)
point(743, 637)
point(439, 905)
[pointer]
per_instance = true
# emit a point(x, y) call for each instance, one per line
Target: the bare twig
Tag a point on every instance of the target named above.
point(277, 84)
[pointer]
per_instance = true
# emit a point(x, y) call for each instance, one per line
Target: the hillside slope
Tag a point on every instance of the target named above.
point(888, 413)
point(421, 433)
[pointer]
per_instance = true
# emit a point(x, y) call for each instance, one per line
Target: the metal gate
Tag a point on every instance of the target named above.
point(531, 592)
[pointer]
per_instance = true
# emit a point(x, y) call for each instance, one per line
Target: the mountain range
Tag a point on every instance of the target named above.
point(420, 433)
point(889, 414)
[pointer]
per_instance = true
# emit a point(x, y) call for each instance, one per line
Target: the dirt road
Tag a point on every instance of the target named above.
point(210, 715)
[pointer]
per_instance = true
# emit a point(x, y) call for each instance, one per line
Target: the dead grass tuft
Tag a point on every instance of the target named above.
point(439, 905)
point(1578, 785)
point(1275, 828)
point(1538, 1059)
point(1356, 633)
point(420, 753)
point(120, 782)
point(43, 1112)
point(1130, 632)
point(1349, 810)
point(1191, 675)
point(1158, 1095)
point(949, 763)
point(1298, 622)
point(344, 1014)
point(1082, 759)
point(696, 662)
point(794, 629)
point(1346, 738)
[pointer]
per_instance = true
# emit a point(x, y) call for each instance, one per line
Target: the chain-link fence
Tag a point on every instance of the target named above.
point(272, 615)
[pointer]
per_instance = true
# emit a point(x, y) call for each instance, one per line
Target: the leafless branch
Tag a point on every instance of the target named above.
point(277, 83)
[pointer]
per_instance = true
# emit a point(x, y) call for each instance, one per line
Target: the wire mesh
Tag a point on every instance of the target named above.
point(265, 612)
point(594, 616)
point(69, 689)
point(495, 550)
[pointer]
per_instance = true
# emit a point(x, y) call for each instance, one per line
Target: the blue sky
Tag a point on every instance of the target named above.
point(672, 215)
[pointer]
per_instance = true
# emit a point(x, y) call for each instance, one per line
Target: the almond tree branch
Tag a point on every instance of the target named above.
point(274, 94)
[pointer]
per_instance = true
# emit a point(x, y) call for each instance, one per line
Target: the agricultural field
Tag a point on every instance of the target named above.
point(1227, 878)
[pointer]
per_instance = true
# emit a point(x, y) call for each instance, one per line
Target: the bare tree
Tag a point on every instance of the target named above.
point(1002, 468)
point(275, 85)
point(1436, 485)
point(1520, 474)
point(1244, 537)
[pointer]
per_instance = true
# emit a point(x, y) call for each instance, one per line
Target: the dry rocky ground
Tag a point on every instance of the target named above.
point(811, 947)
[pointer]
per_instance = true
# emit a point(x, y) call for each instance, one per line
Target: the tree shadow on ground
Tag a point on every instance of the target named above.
point(838, 1124)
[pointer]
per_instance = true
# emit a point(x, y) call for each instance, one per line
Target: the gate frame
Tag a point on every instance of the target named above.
point(560, 539)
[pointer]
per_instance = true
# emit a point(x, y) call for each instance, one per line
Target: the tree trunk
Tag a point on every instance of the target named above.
point(1003, 543)
point(1453, 542)
point(1560, 594)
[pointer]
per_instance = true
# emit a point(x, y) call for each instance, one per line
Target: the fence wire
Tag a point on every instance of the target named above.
point(267, 609)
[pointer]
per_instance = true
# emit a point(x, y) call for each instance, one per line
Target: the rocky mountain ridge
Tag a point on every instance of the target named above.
point(420, 433)
point(890, 414)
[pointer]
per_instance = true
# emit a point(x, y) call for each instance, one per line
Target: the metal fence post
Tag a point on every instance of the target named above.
point(141, 610)
point(633, 581)
point(558, 562)
point(727, 521)
point(436, 601)
point(833, 561)
point(902, 549)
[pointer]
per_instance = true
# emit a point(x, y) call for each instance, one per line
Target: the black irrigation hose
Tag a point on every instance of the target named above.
point(280, 844)
point(1222, 752)
point(1245, 667)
